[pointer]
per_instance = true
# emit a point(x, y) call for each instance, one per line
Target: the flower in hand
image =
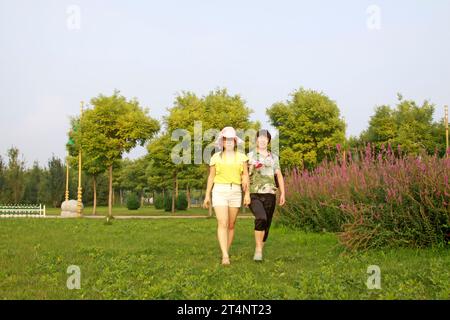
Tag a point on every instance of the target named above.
point(257, 164)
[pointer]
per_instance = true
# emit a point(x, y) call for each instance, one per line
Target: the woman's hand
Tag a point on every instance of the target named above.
point(247, 199)
point(282, 199)
point(206, 202)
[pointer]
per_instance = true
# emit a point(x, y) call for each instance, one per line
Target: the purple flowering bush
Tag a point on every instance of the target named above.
point(373, 199)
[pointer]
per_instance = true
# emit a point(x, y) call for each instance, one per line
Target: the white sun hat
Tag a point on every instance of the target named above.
point(227, 132)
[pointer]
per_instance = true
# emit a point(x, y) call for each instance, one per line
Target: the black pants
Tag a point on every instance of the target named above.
point(262, 206)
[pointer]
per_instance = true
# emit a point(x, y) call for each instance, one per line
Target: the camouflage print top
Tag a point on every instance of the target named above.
point(262, 170)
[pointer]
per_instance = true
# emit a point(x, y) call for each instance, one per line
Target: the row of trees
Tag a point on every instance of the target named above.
point(34, 185)
point(309, 125)
point(46, 184)
point(408, 124)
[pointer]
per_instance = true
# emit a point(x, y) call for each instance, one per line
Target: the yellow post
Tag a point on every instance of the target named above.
point(80, 197)
point(446, 129)
point(67, 179)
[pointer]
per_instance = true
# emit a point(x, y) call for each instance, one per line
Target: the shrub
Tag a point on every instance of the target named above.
point(159, 202)
point(379, 200)
point(133, 202)
point(168, 201)
point(182, 202)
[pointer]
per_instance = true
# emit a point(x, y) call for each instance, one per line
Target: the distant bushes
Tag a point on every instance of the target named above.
point(165, 202)
point(133, 202)
point(159, 202)
point(182, 202)
point(378, 200)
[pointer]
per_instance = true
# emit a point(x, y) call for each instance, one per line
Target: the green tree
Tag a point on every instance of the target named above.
point(215, 111)
point(14, 177)
point(164, 170)
point(438, 133)
point(382, 128)
point(309, 128)
point(415, 126)
point(93, 166)
point(113, 126)
point(33, 183)
point(2, 179)
point(133, 176)
point(55, 181)
point(409, 125)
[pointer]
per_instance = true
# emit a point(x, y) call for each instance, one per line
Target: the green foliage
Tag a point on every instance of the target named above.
point(55, 182)
point(132, 174)
point(182, 202)
point(115, 125)
point(33, 180)
point(158, 202)
point(14, 177)
point(409, 125)
point(133, 202)
point(168, 201)
point(215, 111)
point(309, 127)
point(2, 179)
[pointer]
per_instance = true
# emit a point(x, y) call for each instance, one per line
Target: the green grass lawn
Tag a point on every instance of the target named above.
point(144, 211)
point(180, 259)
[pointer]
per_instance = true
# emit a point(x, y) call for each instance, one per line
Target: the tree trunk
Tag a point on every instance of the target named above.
point(121, 197)
point(142, 198)
point(110, 192)
point(188, 196)
point(94, 207)
point(174, 192)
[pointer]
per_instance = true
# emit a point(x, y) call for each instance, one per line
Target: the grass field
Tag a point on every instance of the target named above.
point(179, 259)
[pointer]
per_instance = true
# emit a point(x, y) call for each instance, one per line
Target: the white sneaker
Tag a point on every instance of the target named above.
point(258, 256)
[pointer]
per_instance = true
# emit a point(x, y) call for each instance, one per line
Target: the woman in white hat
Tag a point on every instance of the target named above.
point(228, 178)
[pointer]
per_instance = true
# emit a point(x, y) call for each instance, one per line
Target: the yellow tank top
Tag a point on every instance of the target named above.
point(228, 170)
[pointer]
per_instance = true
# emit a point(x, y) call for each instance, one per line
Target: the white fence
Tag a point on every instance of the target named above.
point(22, 211)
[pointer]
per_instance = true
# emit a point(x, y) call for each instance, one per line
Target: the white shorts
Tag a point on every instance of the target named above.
point(226, 194)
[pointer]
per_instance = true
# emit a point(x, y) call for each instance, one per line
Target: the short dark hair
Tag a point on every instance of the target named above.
point(265, 133)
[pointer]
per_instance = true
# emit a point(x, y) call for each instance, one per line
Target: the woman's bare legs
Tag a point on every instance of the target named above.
point(259, 240)
point(232, 215)
point(222, 229)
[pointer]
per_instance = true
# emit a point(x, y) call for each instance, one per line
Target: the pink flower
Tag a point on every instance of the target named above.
point(257, 164)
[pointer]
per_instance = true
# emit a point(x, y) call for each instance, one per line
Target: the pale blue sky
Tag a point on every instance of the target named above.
point(262, 50)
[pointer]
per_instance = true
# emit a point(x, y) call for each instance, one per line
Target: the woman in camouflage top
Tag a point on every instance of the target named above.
point(263, 167)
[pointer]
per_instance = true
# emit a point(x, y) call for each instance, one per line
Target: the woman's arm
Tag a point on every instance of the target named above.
point(209, 185)
point(281, 186)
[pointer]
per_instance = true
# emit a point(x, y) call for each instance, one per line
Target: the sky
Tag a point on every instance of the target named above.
point(54, 54)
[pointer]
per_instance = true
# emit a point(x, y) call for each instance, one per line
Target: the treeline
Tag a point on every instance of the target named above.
point(46, 184)
point(309, 123)
point(33, 185)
